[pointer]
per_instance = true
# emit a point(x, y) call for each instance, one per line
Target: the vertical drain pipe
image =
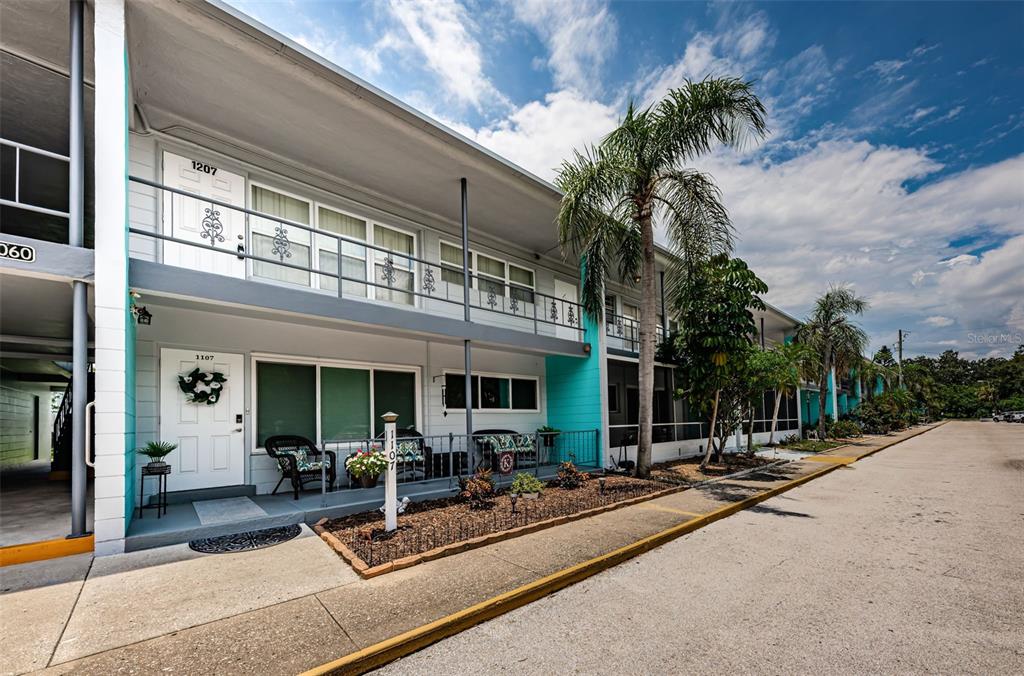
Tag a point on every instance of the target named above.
point(76, 237)
point(471, 448)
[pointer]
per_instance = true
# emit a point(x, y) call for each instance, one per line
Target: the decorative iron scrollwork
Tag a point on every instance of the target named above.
point(554, 311)
point(428, 280)
point(213, 229)
point(513, 304)
point(618, 326)
point(571, 316)
point(492, 299)
point(388, 273)
point(282, 245)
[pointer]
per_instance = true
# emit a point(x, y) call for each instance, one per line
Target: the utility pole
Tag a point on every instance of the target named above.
point(899, 357)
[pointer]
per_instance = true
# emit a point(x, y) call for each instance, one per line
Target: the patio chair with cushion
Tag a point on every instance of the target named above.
point(415, 458)
point(492, 442)
point(301, 461)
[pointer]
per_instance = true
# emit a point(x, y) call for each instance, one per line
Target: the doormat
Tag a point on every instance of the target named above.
point(242, 542)
point(226, 510)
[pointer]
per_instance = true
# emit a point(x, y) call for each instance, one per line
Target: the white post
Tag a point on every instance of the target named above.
point(391, 481)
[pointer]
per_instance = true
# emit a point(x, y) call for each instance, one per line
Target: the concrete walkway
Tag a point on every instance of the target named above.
point(298, 605)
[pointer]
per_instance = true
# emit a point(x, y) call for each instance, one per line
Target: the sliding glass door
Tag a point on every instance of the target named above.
point(329, 402)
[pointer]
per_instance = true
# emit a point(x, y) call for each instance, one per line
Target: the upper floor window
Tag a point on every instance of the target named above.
point(494, 275)
point(353, 256)
point(396, 281)
point(268, 234)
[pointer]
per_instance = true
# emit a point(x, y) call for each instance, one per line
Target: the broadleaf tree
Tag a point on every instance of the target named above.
point(715, 307)
point(636, 177)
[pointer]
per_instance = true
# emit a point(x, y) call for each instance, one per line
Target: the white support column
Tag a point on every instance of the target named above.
point(111, 285)
point(799, 413)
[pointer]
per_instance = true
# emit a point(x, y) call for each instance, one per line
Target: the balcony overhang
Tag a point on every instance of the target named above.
point(180, 287)
point(276, 102)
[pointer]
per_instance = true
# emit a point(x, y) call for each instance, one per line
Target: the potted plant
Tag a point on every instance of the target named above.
point(548, 435)
point(367, 466)
point(156, 451)
point(527, 486)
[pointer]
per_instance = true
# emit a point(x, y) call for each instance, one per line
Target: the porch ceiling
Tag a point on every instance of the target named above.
point(36, 316)
point(194, 66)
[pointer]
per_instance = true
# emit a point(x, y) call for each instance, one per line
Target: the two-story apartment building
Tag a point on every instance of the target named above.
point(235, 239)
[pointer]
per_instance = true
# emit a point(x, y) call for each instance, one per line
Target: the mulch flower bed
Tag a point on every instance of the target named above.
point(435, 528)
point(688, 470)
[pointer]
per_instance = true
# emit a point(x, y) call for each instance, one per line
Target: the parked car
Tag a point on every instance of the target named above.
point(1014, 416)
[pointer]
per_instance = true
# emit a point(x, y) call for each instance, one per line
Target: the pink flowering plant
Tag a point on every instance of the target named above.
point(366, 462)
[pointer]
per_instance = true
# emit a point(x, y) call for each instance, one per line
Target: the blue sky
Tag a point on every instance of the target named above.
point(895, 162)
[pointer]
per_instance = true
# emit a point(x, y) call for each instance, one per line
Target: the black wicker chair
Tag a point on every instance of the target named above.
point(299, 460)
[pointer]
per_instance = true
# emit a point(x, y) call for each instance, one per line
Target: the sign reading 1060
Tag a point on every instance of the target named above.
point(17, 252)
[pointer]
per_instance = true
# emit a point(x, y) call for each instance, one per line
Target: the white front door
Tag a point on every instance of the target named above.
point(209, 436)
point(209, 228)
point(568, 294)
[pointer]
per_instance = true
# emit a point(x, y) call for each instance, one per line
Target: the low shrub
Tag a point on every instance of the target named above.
point(790, 440)
point(477, 490)
point(887, 412)
point(845, 429)
point(569, 476)
point(526, 483)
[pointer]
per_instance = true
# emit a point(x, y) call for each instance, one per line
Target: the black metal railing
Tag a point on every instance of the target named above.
point(424, 458)
point(329, 262)
point(627, 332)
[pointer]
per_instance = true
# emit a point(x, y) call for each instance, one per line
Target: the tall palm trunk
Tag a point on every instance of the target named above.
point(648, 321)
point(711, 431)
point(775, 416)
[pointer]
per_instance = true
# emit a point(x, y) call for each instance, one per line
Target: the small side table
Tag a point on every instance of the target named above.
point(161, 473)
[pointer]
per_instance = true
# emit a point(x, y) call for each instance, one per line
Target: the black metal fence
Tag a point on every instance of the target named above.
point(627, 332)
point(375, 547)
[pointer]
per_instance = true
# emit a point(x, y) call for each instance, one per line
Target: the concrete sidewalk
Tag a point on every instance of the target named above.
point(298, 605)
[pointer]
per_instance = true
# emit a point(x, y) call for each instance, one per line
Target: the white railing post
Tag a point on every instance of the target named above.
point(391, 481)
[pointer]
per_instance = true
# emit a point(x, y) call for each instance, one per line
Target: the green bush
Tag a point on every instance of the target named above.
point(569, 476)
point(526, 483)
point(844, 429)
point(887, 412)
point(478, 490)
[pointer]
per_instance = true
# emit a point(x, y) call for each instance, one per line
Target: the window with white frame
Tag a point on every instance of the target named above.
point(451, 264)
point(278, 241)
point(492, 392)
point(397, 281)
point(494, 274)
point(353, 256)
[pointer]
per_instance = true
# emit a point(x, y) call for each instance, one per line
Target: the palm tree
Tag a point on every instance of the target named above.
point(789, 365)
point(614, 192)
point(836, 340)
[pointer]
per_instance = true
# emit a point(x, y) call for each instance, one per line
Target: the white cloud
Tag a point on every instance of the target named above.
point(441, 32)
point(962, 259)
point(540, 134)
point(939, 320)
point(889, 69)
point(580, 37)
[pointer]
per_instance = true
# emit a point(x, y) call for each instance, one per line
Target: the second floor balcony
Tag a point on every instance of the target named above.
point(291, 243)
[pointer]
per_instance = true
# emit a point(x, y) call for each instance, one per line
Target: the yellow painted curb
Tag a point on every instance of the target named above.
point(47, 549)
point(838, 459)
point(409, 642)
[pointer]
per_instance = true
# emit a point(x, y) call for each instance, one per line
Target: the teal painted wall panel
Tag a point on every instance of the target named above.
point(573, 390)
point(809, 401)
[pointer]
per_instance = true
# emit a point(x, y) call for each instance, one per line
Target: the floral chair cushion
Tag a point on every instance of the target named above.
point(409, 451)
point(302, 461)
point(524, 443)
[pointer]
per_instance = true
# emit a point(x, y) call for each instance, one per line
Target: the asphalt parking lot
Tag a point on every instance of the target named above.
point(909, 561)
